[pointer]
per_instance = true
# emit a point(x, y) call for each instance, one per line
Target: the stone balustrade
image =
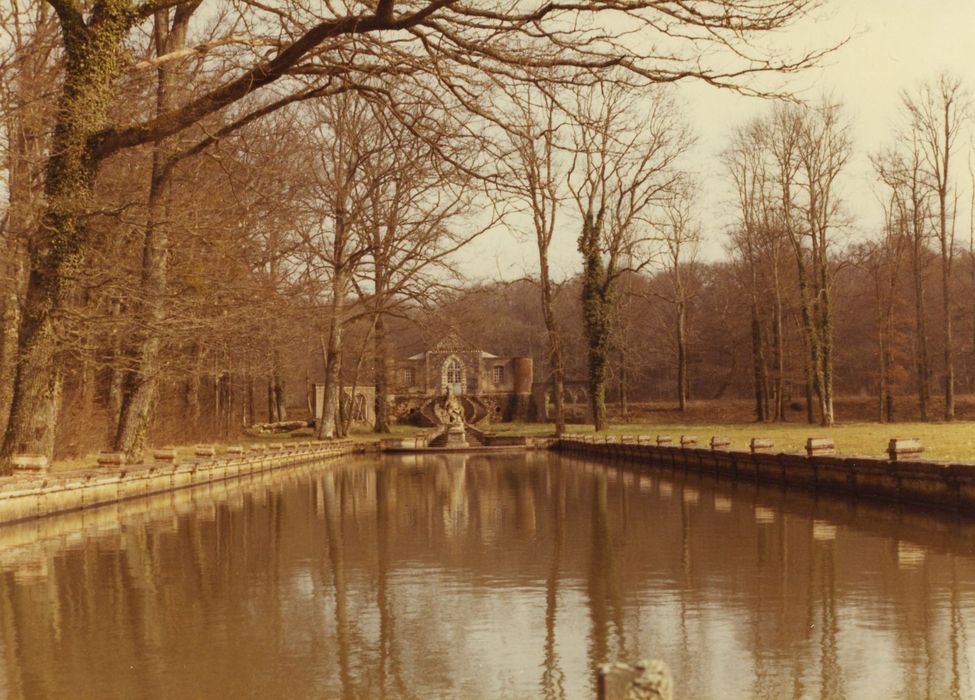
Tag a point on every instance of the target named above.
point(902, 477)
point(111, 459)
point(36, 494)
point(30, 464)
point(901, 448)
point(820, 446)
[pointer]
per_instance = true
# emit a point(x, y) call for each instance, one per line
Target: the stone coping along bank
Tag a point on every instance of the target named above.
point(947, 486)
point(28, 496)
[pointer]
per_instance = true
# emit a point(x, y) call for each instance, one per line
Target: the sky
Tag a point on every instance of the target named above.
point(893, 45)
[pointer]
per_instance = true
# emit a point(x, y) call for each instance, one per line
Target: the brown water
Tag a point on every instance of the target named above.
point(469, 577)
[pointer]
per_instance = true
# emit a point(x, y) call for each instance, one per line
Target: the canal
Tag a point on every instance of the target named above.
point(453, 576)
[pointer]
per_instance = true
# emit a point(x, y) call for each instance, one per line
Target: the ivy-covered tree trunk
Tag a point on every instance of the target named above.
point(596, 308)
point(58, 251)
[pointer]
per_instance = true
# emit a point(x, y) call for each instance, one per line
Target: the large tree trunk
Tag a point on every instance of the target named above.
point(141, 381)
point(92, 63)
point(13, 269)
point(380, 348)
point(946, 310)
point(922, 365)
point(8, 352)
point(556, 358)
point(624, 399)
point(883, 386)
point(596, 311)
point(272, 404)
point(681, 356)
point(758, 366)
point(778, 347)
point(141, 384)
point(826, 344)
point(331, 416)
point(27, 130)
point(279, 398)
point(599, 366)
point(381, 375)
point(814, 345)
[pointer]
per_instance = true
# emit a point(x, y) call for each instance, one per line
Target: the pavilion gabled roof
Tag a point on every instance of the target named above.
point(452, 342)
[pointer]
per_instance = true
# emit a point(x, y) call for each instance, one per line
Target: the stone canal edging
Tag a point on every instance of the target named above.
point(27, 496)
point(936, 484)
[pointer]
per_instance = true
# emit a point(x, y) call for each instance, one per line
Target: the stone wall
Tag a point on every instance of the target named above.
point(23, 497)
point(935, 484)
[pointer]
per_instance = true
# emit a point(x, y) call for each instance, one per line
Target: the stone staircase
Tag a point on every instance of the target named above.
point(474, 437)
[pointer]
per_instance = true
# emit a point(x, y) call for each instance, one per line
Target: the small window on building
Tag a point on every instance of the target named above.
point(409, 376)
point(498, 374)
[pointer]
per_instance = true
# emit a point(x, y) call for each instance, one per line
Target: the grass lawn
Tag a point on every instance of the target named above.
point(942, 441)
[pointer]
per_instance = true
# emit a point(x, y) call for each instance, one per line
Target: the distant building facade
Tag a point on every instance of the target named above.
point(494, 388)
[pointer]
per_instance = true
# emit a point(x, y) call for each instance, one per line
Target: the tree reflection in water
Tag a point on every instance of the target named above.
point(513, 576)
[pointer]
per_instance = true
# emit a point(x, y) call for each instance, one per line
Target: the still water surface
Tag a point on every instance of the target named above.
point(474, 577)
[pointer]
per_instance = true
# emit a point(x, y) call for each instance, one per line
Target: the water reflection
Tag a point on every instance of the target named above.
point(459, 576)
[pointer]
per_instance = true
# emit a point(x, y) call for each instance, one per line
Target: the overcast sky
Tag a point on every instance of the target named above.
point(894, 45)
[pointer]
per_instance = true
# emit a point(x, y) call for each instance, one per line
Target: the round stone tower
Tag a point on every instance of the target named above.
point(524, 376)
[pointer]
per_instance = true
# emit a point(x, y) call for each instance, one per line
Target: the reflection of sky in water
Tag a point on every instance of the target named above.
point(510, 578)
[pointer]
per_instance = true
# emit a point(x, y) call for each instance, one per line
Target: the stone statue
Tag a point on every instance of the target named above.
point(451, 411)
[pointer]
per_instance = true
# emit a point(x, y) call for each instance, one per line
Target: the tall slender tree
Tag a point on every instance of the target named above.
point(938, 112)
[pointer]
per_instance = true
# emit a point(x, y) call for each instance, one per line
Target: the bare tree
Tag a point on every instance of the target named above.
point(413, 195)
point(938, 111)
point(681, 238)
point(140, 384)
point(28, 72)
point(810, 147)
point(623, 168)
point(901, 171)
point(759, 240)
point(882, 260)
point(533, 176)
